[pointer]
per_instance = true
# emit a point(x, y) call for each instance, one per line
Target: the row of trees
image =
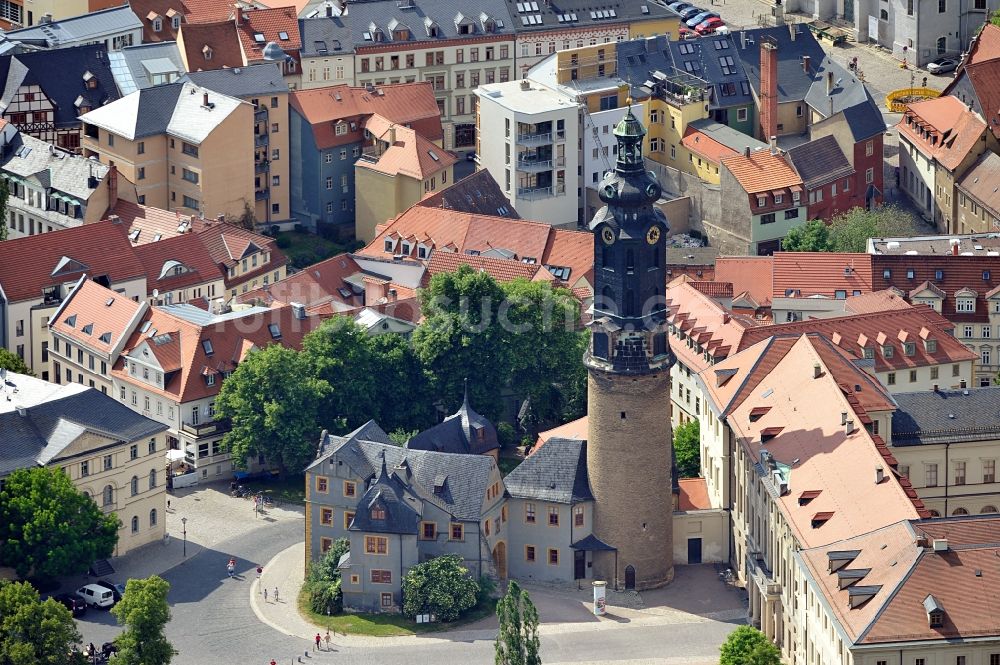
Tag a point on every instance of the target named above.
point(518, 338)
point(850, 231)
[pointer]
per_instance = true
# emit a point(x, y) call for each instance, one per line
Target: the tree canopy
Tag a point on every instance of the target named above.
point(748, 646)
point(441, 586)
point(33, 631)
point(813, 236)
point(144, 612)
point(517, 640)
point(272, 401)
point(687, 449)
point(50, 529)
point(13, 362)
point(850, 231)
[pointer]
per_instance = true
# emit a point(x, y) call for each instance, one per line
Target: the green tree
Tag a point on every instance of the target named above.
point(339, 353)
point(850, 231)
point(402, 394)
point(325, 570)
point(813, 236)
point(12, 362)
point(995, 17)
point(323, 582)
point(687, 449)
point(441, 586)
point(49, 529)
point(144, 612)
point(748, 646)
point(517, 641)
point(400, 436)
point(4, 195)
point(33, 632)
point(273, 403)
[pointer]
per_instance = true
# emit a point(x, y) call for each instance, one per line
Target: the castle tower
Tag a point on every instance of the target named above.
point(629, 444)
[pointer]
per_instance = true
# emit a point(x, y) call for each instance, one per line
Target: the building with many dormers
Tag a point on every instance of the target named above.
point(111, 454)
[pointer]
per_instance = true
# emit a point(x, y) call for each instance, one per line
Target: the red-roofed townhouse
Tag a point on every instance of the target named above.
point(247, 260)
point(328, 130)
point(828, 178)
point(257, 28)
point(762, 199)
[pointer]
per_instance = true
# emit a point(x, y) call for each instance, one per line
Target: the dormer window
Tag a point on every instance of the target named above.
point(761, 201)
point(176, 22)
point(931, 345)
point(378, 513)
point(206, 51)
point(210, 379)
point(909, 349)
point(868, 353)
point(887, 351)
point(389, 245)
point(965, 305)
point(935, 612)
point(157, 24)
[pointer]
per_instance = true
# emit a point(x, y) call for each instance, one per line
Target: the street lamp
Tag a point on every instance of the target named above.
point(184, 525)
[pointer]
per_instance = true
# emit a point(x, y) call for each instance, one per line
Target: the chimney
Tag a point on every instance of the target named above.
point(112, 186)
point(792, 30)
point(805, 63)
point(392, 134)
point(829, 83)
point(114, 219)
point(879, 475)
point(746, 152)
point(298, 310)
point(849, 427)
point(843, 417)
point(46, 18)
point(954, 242)
point(220, 218)
point(921, 541)
point(768, 88)
point(774, 145)
point(817, 371)
point(391, 297)
point(525, 84)
point(204, 100)
point(743, 40)
point(21, 411)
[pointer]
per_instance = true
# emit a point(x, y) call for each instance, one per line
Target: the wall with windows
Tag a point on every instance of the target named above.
point(945, 376)
point(380, 196)
point(954, 479)
point(540, 537)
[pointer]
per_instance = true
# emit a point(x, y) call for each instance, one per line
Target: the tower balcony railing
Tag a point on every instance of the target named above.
point(537, 138)
point(529, 193)
point(534, 165)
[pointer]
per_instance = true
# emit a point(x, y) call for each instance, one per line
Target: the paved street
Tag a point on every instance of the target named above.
point(218, 620)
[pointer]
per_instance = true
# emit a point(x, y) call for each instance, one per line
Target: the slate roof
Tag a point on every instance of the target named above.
point(133, 66)
point(260, 79)
point(466, 477)
point(400, 507)
point(864, 119)
point(708, 54)
point(93, 26)
point(845, 90)
point(555, 472)
point(793, 82)
point(981, 180)
point(582, 13)
point(465, 431)
point(478, 193)
point(946, 416)
point(220, 37)
point(723, 140)
point(62, 415)
point(820, 162)
point(59, 170)
point(59, 73)
point(350, 29)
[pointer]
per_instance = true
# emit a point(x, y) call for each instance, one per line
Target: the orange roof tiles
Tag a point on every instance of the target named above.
point(320, 283)
point(705, 146)
point(407, 154)
point(502, 270)
point(207, 46)
point(693, 494)
point(146, 224)
point(144, 9)
point(748, 274)
point(876, 301)
point(985, 47)
point(985, 79)
point(954, 128)
point(209, 11)
point(820, 273)
point(98, 316)
point(188, 250)
point(227, 244)
point(575, 429)
point(279, 25)
point(762, 172)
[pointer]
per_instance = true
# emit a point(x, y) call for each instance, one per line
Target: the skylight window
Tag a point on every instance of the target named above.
point(88, 329)
point(283, 35)
point(71, 321)
point(274, 330)
point(434, 155)
point(258, 37)
point(145, 327)
point(207, 346)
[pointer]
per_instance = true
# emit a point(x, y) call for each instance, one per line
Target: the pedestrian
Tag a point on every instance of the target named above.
point(318, 639)
point(168, 505)
point(327, 638)
point(265, 594)
point(275, 594)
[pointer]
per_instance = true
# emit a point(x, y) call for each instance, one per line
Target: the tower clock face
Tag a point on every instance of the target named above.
point(610, 191)
point(653, 235)
point(653, 190)
point(607, 235)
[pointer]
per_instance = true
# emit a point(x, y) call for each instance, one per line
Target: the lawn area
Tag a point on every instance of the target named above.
point(304, 249)
point(290, 489)
point(387, 625)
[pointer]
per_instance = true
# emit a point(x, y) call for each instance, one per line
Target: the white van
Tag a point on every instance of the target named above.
point(96, 596)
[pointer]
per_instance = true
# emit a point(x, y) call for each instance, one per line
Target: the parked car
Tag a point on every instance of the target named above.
point(942, 66)
point(709, 26)
point(699, 18)
point(73, 603)
point(96, 596)
point(679, 6)
point(688, 12)
point(117, 590)
point(685, 32)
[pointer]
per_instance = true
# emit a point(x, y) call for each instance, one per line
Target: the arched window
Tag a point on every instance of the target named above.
point(109, 495)
point(152, 518)
point(942, 45)
point(608, 300)
point(935, 513)
point(152, 478)
point(135, 525)
point(988, 509)
point(960, 511)
point(135, 485)
point(884, 15)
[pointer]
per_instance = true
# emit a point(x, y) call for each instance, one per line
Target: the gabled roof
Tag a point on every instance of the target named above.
point(805, 274)
point(762, 172)
point(98, 315)
point(261, 79)
point(320, 283)
point(748, 274)
point(576, 429)
point(387, 506)
point(985, 46)
point(555, 472)
point(820, 162)
point(865, 119)
point(147, 10)
point(712, 140)
point(210, 45)
point(407, 152)
point(944, 274)
point(876, 301)
point(257, 27)
point(478, 193)
point(690, 309)
point(136, 67)
point(228, 244)
point(146, 224)
point(177, 263)
point(463, 432)
point(793, 81)
point(585, 14)
point(946, 416)
point(92, 26)
point(29, 264)
point(60, 74)
point(27, 158)
point(502, 270)
point(704, 59)
point(833, 88)
point(955, 129)
point(981, 181)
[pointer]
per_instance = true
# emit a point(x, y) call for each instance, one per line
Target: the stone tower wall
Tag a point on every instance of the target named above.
point(629, 464)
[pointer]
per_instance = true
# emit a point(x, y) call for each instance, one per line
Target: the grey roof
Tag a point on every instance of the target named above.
point(692, 256)
point(55, 169)
point(84, 28)
point(556, 472)
point(463, 432)
point(399, 509)
point(946, 416)
point(355, 27)
point(262, 79)
point(865, 119)
point(592, 544)
point(546, 15)
point(134, 67)
point(59, 73)
point(845, 90)
point(727, 136)
point(478, 193)
point(47, 428)
point(793, 81)
point(819, 162)
point(371, 431)
point(466, 477)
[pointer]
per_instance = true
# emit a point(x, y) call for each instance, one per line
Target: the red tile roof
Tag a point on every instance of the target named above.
point(876, 301)
point(820, 273)
point(402, 103)
point(748, 274)
point(177, 263)
point(705, 146)
point(986, 46)
point(502, 270)
point(957, 273)
point(762, 172)
point(228, 244)
point(576, 429)
point(209, 11)
point(693, 494)
point(153, 224)
point(408, 154)
point(28, 265)
point(145, 10)
point(954, 129)
point(272, 24)
point(985, 79)
point(318, 284)
point(96, 316)
point(197, 40)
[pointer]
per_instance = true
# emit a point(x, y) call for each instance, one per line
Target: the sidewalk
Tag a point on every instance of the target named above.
point(287, 573)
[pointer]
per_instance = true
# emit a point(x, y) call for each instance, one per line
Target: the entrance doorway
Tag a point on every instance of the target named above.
point(694, 550)
point(629, 578)
point(579, 565)
point(500, 559)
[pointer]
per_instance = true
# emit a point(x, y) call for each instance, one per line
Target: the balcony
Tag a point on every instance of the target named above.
point(213, 428)
point(534, 165)
point(262, 167)
point(529, 193)
point(260, 140)
point(260, 114)
point(541, 138)
point(262, 195)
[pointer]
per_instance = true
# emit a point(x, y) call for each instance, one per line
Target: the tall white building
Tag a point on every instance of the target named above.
point(528, 139)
